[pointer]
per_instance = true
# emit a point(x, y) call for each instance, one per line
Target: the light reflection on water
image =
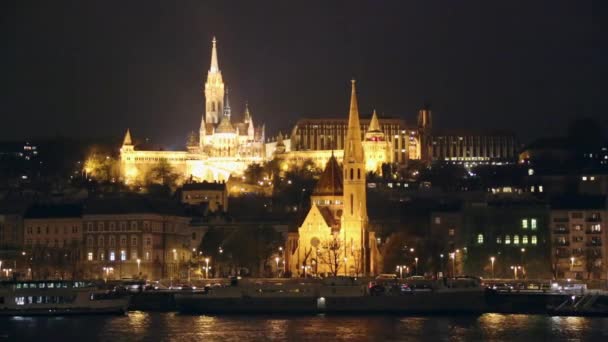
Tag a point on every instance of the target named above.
point(143, 326)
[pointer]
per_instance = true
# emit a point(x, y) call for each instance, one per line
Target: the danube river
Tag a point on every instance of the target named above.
point(144, 326)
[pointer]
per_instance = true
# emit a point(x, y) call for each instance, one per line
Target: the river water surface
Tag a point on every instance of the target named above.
point(145, 326)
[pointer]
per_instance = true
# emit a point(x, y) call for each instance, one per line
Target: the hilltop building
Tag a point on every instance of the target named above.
point(222, 147)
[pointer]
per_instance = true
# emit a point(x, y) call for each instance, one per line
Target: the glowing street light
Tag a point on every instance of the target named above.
point(453, 257)
point(416, 260)
point(492, 261)
point(277, 261)
point(515, 268)
point(138, 264)
point(571, 263)
point(207, 267)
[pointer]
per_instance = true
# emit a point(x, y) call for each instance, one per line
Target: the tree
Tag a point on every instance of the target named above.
point(331, 254)
point(592, 258)
point(162, 173)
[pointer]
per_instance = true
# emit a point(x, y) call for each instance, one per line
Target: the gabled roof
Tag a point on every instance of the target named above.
point(330, 182)
point(328, 216)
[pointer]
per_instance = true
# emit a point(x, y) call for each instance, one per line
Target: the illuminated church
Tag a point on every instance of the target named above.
point(222, 147)
point(334, 238)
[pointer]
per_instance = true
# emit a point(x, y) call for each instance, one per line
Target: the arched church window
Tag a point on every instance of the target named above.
point(351, 203)
point(358, 173)
point(351, 174)
point(213, 106)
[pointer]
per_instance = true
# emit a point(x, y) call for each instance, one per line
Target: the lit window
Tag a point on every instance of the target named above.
point(498, 240)
point(112, 256)
point(123, 255)
point(534, 241)
point(516, 239)
point(592, 178)
point(147, 255)
point(533, 224)
point(507, 240)
point(540, 188)
point(451, 232)
point(480, 239)
point(90, 256)
point(530, 172)
point(524, 239)
point(584, 178)
point(437, 220)
point(524, 223)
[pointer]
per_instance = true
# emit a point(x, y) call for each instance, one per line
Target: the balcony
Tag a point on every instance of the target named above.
point(561, 231)
point(562, 243)
point(589, 231)
point(594, 243)
point(593, 219)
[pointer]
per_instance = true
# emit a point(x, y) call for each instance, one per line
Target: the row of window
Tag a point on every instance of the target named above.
point(50, 243)
point(101, 256)
point(47, 230)
point(44, 300)
point(531, 223)
point(112, 241)
point(507, 239)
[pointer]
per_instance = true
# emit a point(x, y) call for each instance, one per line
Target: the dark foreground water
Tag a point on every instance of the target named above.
point(143, 326)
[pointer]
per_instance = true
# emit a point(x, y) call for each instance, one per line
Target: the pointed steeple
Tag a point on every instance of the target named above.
point(214, 65)
point(353, 149)
point(227, 110)
point(246, 115)
point(127, 141)
point(374, 125)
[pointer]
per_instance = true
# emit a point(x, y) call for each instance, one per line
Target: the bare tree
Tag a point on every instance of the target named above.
point(331, 255)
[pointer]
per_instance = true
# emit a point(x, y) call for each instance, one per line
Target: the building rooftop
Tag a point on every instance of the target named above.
point(204, 186)
point(53, 211)
point(330, 182)
point(579, 202)
point(132, 205)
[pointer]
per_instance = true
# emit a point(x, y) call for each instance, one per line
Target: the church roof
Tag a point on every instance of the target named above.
point(225, 126)
point(374, 125)
point(127, 140)
point(328, 216)
point(330, 182)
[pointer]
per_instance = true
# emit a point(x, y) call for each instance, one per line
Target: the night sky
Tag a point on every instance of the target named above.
point(91, 69)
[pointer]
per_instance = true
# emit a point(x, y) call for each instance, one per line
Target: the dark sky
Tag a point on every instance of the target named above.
point(94, 68)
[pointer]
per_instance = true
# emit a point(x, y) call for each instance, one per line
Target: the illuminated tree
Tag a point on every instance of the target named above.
point(331, 255)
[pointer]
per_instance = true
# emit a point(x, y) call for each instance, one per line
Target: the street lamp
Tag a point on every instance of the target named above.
point(277, 261)
point(515, 268)
point(207, 267)
point(571, 263)
point(492, 261)
point(138, 269)
point(453, 257)
point(416, 260)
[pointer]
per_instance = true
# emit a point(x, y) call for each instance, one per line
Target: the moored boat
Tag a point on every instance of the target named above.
point(55, 297)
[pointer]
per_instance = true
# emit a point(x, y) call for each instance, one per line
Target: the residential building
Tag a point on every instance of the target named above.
point(213, 194)
point(579, 237)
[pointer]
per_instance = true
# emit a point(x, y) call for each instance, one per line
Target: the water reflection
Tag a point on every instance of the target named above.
point(143, 326)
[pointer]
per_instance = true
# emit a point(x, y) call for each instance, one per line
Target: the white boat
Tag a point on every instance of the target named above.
point(55, 297)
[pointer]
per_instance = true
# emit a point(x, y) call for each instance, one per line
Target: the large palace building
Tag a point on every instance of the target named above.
point(223, 147)
point(385, 140)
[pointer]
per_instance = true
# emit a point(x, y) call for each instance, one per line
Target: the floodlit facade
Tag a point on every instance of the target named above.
point(222, 147)
point(334, 237)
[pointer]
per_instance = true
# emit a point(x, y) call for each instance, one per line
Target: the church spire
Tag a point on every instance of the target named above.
point(374, 125)
point(227, 110)
point(214, 64)
point(247, 114)
point(127, 141)
point(353, 151)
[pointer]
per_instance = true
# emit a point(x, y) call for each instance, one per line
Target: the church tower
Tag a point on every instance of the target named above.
point(214, 90)
point(354, 219)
